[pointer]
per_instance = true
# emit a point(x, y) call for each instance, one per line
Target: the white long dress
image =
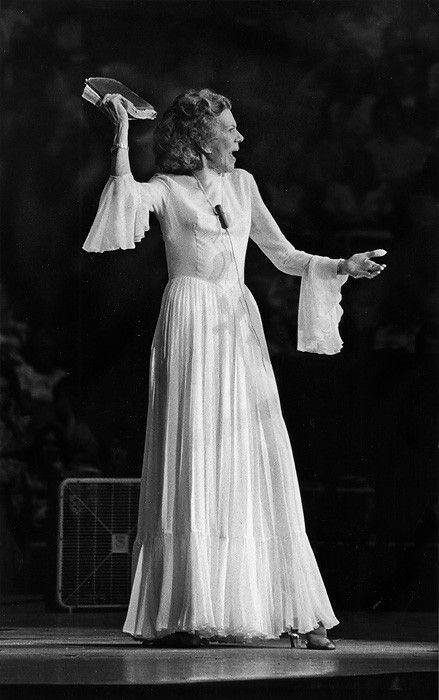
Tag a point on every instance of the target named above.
point(221, 546)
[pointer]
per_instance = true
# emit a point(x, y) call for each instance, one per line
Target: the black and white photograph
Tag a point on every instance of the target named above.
point(219, 323)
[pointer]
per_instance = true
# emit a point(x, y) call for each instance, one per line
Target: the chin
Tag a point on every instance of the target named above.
point(224, 166)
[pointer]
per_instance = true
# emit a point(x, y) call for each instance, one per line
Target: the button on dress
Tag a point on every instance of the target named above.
point(221, 546)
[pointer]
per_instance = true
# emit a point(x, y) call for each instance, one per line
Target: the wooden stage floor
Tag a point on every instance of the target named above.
point(45, 655)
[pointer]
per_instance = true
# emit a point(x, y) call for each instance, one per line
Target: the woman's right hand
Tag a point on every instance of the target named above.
point(114, 106)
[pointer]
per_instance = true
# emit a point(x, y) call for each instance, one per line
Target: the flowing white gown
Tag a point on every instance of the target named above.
point(221, 547)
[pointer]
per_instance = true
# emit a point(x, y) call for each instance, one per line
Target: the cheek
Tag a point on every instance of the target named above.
point(225, 144)
point(221, 150)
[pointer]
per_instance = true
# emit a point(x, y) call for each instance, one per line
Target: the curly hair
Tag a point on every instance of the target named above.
point(183, 130)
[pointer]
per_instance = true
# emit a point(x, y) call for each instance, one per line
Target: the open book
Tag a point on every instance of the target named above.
point(96, 88)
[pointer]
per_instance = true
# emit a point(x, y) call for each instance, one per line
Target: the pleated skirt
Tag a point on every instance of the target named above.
point(221, 547)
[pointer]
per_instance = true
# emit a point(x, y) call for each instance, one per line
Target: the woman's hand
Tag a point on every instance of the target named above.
point(114, 106)
point(361, 265)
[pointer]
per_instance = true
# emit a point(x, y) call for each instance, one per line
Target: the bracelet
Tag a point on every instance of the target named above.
point(339, 266)
point(115, 146)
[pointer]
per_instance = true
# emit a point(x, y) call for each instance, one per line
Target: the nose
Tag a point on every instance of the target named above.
point(239, 137)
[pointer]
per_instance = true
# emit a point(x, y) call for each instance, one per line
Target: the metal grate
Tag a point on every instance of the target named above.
point(97, 528)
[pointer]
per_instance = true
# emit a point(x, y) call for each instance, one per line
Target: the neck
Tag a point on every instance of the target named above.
point(206, 174)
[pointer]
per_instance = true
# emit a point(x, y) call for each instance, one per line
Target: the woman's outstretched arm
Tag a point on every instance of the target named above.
point(322, 278)
point(268, 236)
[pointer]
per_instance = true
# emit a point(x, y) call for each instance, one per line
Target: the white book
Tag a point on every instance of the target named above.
point(96, 88)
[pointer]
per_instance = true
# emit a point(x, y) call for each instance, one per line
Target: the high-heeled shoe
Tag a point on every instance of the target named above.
point(317, 639)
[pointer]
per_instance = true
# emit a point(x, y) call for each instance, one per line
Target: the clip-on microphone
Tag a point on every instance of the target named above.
point(221, 216)
point(223, 221)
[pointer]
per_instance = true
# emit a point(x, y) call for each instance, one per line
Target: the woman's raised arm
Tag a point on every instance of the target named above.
point(122, 217)
point(114, 107)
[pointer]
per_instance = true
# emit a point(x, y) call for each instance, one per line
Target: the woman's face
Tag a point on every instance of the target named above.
point(224, 143)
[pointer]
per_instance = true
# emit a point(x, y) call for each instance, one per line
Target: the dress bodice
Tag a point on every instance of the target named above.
point(197, 246)
point(195, 242)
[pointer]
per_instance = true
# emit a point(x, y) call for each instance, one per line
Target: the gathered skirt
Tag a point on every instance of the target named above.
point(221, 547)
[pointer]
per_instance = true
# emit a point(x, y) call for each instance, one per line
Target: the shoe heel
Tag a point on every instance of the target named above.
point(297, 641)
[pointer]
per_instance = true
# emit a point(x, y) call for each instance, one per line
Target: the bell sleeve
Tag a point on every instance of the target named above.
point(320, 289)
point(122, 217)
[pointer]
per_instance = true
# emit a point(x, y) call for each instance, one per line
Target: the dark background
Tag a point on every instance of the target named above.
point(338, 102)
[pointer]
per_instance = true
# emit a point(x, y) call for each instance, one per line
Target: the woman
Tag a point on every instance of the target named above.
point(221, 547)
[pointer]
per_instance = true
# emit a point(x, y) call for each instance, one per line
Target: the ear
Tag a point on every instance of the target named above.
point(205, 150)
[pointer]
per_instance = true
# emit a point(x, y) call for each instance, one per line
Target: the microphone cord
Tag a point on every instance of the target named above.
point(222, 221)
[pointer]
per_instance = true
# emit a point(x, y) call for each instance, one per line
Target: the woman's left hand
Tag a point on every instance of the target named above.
point(361, 265)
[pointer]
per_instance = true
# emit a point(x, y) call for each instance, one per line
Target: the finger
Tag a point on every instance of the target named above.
point(109, 97)
point(118, 99)
point(378, 253)
point(112, 101)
